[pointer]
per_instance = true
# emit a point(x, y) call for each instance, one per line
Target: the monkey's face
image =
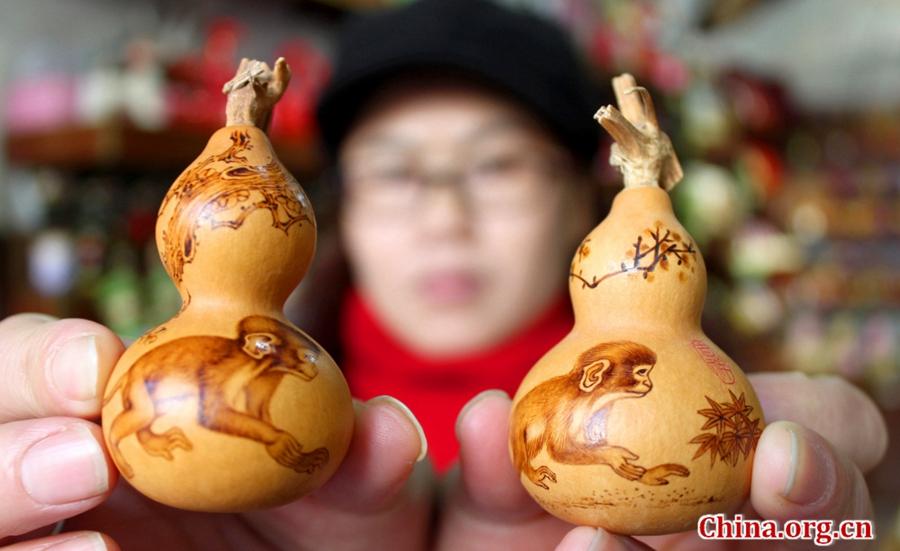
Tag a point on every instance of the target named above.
point(299, 362)
point(639, 379)
point(306, 366)
point(286, 356)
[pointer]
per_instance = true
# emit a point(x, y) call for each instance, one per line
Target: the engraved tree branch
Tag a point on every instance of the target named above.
point(661, 247)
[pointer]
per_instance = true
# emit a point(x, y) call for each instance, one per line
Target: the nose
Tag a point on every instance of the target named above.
point(311, 371)
point(445, 209)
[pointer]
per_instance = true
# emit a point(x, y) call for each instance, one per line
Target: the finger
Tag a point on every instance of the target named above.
point(487, 503)
point(73, 541)
point(54, 468)
point(584, 538)
point(54, 367)
point(388, 441)
point(798, 474)
point(492, 485)
point(851, 421)
point(379, 495)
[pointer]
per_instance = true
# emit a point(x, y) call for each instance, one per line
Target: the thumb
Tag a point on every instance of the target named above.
point(54, 367)
point(584, 538)
point(797, 474)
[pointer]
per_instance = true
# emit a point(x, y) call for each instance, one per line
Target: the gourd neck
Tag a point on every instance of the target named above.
point(243, 305)
point(641, 201)
point(639, 266)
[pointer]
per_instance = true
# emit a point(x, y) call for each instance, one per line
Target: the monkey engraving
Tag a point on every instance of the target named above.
point(233, 382)
point(568, 415)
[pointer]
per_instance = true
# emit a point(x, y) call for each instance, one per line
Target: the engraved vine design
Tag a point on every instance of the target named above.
point(218, 196)
point(735, 431)
point(655, 248)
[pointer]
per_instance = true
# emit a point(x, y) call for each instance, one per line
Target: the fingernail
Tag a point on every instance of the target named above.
point(811, 472)
point(73, 368)
point(473, 402)
point(604, 541)
point(598, 540)
point(406, 412)
point(65, 467)
point(91, 541)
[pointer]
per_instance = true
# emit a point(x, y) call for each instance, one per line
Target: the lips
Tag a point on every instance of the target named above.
point(449, 287)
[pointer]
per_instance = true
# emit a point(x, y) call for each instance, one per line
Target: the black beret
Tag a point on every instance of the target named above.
point(524, 55)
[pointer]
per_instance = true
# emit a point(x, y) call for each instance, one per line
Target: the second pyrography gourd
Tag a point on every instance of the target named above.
point(636, 421)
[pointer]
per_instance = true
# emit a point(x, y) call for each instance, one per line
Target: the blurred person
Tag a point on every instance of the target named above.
point(462, 189)
point(463, 138)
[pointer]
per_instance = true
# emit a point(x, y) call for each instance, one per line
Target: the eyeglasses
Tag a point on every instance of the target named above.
point(490, 180)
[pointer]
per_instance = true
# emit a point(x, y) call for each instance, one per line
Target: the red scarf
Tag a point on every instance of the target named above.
point(435, 390)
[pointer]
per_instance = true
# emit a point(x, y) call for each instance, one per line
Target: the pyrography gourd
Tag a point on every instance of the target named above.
point(227, 406)
point(636, 421)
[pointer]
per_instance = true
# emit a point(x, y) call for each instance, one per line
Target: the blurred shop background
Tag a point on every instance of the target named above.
point(786, 115)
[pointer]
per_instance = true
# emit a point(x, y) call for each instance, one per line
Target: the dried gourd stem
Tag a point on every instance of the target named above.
point(254, 91)
point(642, 152)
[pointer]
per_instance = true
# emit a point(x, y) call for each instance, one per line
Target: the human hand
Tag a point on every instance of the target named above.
point(56, 466)
point(376, 500)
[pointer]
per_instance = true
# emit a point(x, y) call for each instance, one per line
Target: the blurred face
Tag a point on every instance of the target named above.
point(459, 216)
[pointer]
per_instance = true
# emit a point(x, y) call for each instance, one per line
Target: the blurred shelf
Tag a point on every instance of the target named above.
point(121, 146)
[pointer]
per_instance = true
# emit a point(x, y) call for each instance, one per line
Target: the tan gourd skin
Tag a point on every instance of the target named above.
point(227, 406)
point(598, 444)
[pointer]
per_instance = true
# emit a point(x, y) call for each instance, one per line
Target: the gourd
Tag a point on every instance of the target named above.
point(228, 406)
point(636, 422)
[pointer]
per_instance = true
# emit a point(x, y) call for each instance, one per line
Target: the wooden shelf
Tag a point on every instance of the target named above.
point(120, 146)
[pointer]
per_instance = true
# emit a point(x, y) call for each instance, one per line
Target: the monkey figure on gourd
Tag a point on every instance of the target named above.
point(233, 381)
point(576, 433)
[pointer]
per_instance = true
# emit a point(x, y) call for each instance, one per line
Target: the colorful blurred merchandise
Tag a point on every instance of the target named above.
point(146, 82)
point(40, 101)
point(712, 201)
point(117, 293)
point(195, 96)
